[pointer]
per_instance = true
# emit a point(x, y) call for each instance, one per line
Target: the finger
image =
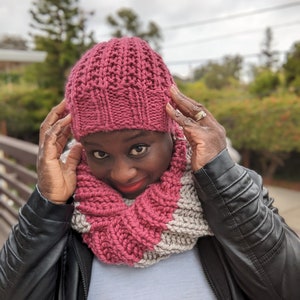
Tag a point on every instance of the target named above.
point(191, 108)
point(56, 137)
point(63, 138)
point(54, 115)
point(74, 157)
point(179, 117)
point(195, 133)
point(186, 105)
point(60, 129)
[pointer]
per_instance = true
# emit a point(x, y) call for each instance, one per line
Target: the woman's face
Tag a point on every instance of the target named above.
point(128, 160)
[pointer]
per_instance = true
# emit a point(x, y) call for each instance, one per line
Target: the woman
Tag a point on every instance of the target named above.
point(148, 204)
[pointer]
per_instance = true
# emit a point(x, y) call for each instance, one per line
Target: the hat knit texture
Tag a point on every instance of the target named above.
point(119, 84)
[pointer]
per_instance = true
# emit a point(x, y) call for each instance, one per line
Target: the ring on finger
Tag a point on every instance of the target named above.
point(200, 115)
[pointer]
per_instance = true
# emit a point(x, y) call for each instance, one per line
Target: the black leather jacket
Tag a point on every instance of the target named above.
point(253, 255)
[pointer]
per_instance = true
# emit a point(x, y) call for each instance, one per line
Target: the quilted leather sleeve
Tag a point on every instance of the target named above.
point(263, 252)
point(28, 259)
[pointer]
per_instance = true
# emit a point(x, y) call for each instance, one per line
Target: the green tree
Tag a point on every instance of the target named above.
point(59, 28)
point(265, 78)
point(268, 56)
point(219, 75)
point(127, 23)
point(292, 68)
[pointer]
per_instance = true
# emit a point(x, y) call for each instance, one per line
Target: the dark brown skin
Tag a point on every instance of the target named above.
point(57, 179)
point(206, 136)
point(128, 160)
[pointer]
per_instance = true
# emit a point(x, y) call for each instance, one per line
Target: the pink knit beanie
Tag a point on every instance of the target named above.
point(119, 84)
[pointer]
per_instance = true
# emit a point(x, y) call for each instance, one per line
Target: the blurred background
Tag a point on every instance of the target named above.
point(239, 58)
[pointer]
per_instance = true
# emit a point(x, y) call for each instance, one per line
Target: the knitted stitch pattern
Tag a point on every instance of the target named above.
point(119, 84)
point(166, 218)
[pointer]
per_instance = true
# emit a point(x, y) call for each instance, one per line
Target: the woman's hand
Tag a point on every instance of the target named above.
point(57, 179)
point(205, 135)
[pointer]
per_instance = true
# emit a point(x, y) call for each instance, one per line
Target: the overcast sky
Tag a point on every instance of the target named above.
point(221, 27)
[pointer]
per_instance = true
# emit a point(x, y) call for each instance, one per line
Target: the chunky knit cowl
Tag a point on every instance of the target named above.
point(166, 218)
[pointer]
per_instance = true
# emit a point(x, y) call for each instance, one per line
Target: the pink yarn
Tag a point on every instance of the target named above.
point(124, 84)
point(120, 234)
point(119, 84)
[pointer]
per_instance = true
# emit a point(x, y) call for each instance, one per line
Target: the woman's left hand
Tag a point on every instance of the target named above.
point(205, 135)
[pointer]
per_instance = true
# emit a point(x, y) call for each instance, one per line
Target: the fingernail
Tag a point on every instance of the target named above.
point(177, 113)
point(168, 105)
point(174, 89)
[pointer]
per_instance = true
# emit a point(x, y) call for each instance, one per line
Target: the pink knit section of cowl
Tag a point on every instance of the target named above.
point(121, 234)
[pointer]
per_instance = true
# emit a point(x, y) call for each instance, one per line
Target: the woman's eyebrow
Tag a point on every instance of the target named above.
point(91, 144)
point(141, 133)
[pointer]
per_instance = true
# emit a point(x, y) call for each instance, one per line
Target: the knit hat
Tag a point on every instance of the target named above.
point(119, 84)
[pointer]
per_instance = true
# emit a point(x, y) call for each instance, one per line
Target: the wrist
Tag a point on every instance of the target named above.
point(48, 199)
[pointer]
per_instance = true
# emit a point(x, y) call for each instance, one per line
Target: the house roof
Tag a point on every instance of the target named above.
point(10, 58)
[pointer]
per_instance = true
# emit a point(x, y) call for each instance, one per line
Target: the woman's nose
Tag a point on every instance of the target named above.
point(122, 171)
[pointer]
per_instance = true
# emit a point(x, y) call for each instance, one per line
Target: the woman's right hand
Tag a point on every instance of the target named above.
point(57, 179)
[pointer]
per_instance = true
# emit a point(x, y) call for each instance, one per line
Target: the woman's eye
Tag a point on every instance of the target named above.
point(100, 154)
point(138, 150)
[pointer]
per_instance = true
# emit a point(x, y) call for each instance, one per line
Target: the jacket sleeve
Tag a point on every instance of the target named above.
point(28, 259)
point(263, 252)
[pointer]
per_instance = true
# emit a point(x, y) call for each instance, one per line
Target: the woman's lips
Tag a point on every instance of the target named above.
point(130, 188)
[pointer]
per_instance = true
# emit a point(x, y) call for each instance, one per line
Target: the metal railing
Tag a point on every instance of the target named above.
point(17, 176)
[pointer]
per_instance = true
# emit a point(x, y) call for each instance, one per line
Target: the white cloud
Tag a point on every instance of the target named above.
point(14, 19)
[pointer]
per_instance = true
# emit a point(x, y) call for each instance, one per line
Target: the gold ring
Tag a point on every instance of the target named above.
point(200, 115)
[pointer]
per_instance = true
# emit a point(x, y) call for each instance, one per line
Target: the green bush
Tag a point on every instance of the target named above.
point(271, 124)
point(23, 110)
point(264, 84)
point(11, 77)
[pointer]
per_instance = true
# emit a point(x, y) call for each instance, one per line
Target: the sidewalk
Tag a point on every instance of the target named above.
point(288, 203)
